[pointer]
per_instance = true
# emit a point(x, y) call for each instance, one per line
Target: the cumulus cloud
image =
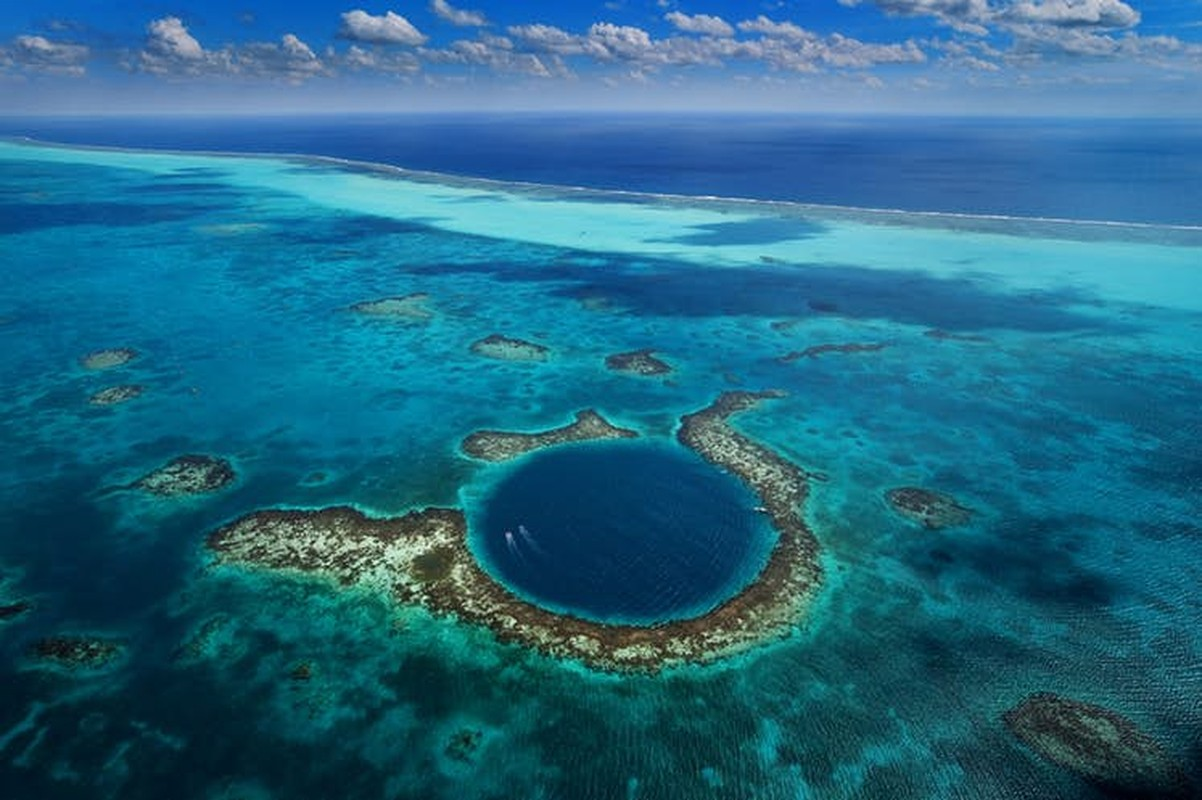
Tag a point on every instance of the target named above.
point(780, 45)
point(1075, 13)
point(775, 30)
point(36, 54)
point(975, 55)
point(550, 39)
point(457, 16)
point(700, 23)
point(291, 60)
point(498, 54)
point(968, 16)
point(169, 38)
point(842, 51)
point(171, 49)
point(390, 28)
point(620, 41)
point(393, 62)
point(976, 16)
point(1035, 41)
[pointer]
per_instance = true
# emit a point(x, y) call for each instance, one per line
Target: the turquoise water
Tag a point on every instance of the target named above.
point(1048, 375)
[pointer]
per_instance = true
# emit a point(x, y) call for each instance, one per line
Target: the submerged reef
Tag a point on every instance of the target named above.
point(949, 336)
point(114, 395)
point(463, 744)
point(504, 445)
point(931, 509)
point(190, 474)
point(507, 349)
point(76, 652)
point(423, 558)
point(409, 307)
point(638, 362)
point(1098, 744)
point(13, 610)
point(107, 359)
point(820, 349)
point(204, 641)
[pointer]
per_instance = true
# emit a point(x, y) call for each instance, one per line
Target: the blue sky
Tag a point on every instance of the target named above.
point(1114, 57)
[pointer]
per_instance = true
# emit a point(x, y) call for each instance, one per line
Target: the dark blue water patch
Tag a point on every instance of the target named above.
point(90, 565)
point(332, 229)
point(187, 188)
point(772, 291)
point(26, 218)
point(1031, 557)
point(626, 532)
point(763, 230)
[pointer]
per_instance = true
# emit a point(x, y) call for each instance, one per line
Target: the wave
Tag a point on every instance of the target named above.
point(1014, 224)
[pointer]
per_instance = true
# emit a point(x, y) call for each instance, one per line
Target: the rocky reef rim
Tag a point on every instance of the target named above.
point(423, 558)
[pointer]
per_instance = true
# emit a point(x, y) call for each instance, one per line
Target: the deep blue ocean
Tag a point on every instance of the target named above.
point(1110, 169)
point(1028, 347)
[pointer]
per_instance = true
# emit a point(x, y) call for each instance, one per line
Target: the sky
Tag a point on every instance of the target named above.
point(1000, 57)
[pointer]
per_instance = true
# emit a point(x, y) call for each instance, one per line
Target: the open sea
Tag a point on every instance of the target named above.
point(1007, 314)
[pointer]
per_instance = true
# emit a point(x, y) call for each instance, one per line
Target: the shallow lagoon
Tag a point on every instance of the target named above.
point(1045, 375)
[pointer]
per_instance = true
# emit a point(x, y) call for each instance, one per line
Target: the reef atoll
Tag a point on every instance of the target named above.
point(190, 474)
point(407, 308)
point(509, 349)
point(638, 362)
point(114, 395)
point(107, 359)
point(76, 652)
point(504, 445)
point(423, 558)
point(931, 509)
point(1099, 745)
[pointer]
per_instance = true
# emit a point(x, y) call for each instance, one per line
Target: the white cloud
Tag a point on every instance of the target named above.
point(780, 45)
point(40, 55)
point(391, 28)
point(172, 50)
point(1075, 13)
point(775, 30)
point(968, 16)
point(700, 23)
point(397, 62)
point(975, 55)
point(976, 16)
point(457, 16)
point(621, 41)
point(841, 51)
point(550, 39)
point(1034, 41)
point(169, 38)
point(498, 55)
point(291, 60)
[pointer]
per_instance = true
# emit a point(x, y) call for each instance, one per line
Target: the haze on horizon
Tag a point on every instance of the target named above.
point(1050, 57)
